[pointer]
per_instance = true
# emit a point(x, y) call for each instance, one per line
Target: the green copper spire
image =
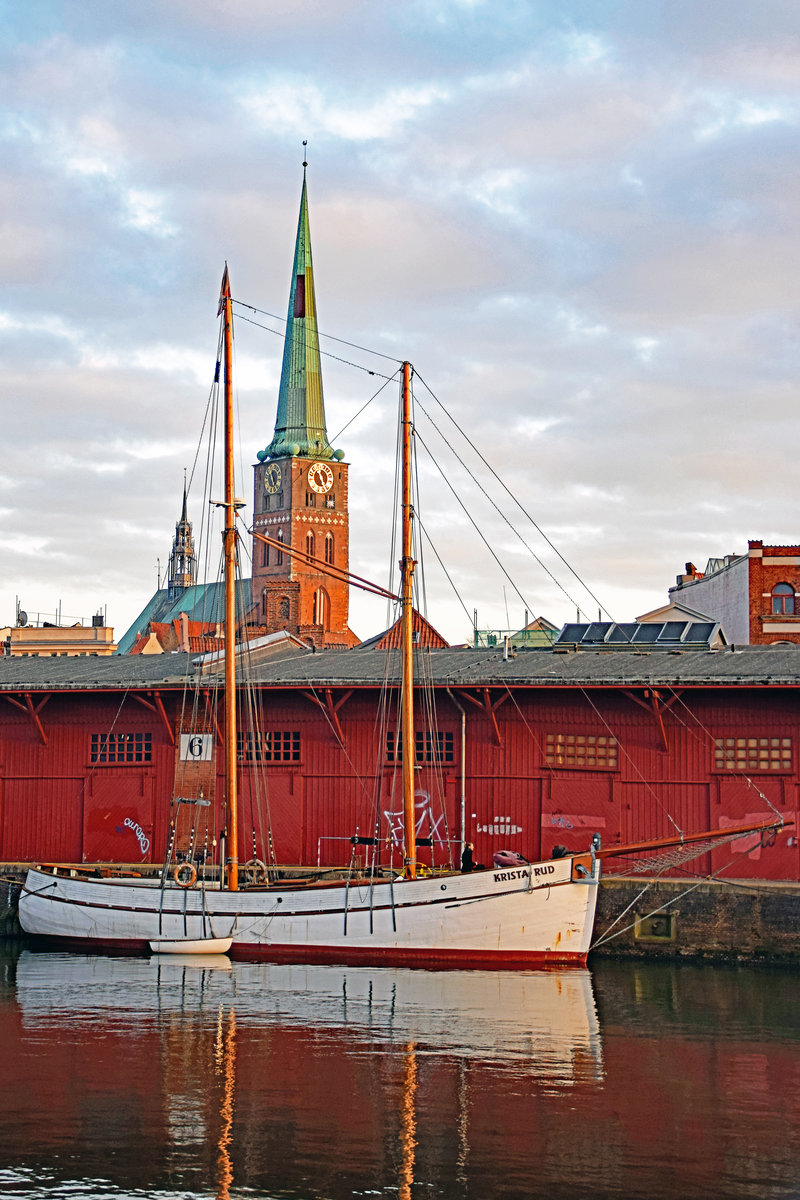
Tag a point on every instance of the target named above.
point(300, 424)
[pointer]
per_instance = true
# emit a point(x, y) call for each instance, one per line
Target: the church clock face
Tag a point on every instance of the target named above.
point(320, 477)
point(272, 478)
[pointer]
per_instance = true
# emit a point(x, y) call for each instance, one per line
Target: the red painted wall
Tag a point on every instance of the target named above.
point(56, 805)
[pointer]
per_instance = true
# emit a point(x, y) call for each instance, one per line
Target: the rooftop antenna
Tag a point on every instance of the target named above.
point(305, 155)
point(158, 569)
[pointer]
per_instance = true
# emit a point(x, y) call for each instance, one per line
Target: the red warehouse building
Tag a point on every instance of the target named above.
point(546, 747)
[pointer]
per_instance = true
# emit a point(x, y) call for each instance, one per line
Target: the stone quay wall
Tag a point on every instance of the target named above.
point(741, 921)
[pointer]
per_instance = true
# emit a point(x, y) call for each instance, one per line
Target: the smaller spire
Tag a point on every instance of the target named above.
point(182, 570)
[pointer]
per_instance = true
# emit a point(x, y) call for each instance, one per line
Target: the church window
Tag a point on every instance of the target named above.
point(264, 604)
point(311, 499)
point(321, 608)
point(118, 748)
point(283, 608)
point(310, 543)
point(330, 502)
point(783, 596)
point(328, 547)
point(279, 553)
point(264, 554)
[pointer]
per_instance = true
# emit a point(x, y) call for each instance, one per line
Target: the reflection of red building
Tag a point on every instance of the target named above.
point(680, 1082)
point(755, 596)
point(555, 746)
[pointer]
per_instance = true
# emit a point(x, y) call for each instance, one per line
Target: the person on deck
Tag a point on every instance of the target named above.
point(467, 863)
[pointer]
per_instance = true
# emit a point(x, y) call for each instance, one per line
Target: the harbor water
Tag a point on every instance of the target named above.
point(197, 1077)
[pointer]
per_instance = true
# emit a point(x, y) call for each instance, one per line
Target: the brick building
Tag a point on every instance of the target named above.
point(754, 596)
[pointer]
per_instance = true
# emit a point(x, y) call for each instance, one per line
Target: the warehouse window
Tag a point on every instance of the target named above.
point(586, 751)
point(117, 748)
point(268, 746)
point(753, 754)
point(428, 748)
point(783, 598)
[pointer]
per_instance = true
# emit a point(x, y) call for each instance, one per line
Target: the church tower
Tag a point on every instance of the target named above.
point(301, 484)
point(182, 571)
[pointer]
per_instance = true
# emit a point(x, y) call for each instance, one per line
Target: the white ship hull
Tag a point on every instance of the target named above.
point(533, 915)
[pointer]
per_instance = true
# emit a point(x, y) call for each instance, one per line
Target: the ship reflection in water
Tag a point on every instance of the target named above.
point(197, 1078)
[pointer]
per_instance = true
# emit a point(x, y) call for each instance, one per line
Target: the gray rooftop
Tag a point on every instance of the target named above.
point(728, 666)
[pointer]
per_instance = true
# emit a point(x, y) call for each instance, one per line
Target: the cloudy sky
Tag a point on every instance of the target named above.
point(579, 220)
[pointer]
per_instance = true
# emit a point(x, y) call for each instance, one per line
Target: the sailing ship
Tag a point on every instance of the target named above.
point(519, 915)
point(515, 913)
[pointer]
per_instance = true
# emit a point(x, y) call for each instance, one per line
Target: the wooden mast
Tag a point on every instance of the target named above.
point(231, 866)
point(406, 642)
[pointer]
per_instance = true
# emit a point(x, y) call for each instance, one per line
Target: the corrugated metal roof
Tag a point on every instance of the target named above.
point(745, 666)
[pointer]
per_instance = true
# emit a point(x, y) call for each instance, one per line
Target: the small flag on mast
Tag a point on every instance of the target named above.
point(224, 291)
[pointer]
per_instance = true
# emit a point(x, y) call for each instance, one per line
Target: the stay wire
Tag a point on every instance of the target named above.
point(473, 523)
point(497, 508)
point(447, 576)
point(329, 336)
point(522, 509)
point(708, 737)
point(633, 764)
point(608, 936)
point(336, 357)
point(387, 380)
point(207, 413)
point(424, 657)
